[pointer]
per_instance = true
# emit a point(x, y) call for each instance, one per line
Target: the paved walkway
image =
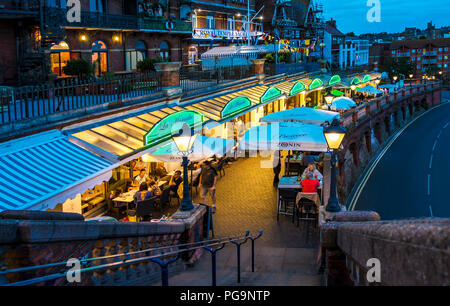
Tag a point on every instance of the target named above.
point(284, 255)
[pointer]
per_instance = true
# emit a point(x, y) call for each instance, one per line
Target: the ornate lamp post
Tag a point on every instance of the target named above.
point(395, 79)
point(410, 79)
point(184, 140)
point(334, 134)
point(328, 99)
point(353, 88)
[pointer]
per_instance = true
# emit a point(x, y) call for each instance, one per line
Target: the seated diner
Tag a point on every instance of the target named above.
point(311, 169)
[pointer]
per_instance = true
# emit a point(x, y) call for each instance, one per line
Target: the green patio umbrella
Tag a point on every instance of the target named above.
point(337, 93)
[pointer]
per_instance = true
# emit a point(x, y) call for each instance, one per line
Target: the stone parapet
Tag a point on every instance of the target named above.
point(258, 69)
point(410, 252)
point(58, 237)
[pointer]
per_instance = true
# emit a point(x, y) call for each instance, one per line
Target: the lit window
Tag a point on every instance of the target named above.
point(210, 22)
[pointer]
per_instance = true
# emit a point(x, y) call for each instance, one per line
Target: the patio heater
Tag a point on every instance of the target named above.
point(334, 134)
point(184, 140)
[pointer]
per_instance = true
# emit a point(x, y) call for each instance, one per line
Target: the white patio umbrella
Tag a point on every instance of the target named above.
point(284, 136)
point(202, 148)
point(342, 103)
point(302, 114)
point(370, 90)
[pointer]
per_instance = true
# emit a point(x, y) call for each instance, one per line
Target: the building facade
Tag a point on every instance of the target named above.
point(429, 56)
point(113, 34)
point(218, 23)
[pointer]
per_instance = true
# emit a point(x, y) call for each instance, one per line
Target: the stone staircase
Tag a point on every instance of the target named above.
point(274, 266)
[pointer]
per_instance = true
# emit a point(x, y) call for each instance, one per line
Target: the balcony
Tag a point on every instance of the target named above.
point(19, 8)
point(403, 54)
point(431, 61)
point(430, 53)
point(57, 17)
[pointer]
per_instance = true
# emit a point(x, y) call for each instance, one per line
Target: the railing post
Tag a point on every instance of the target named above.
point(168, 75)
point(213, 261)
point(253, 248)
point(238, 248)
point(258, 69)
point(164, 270)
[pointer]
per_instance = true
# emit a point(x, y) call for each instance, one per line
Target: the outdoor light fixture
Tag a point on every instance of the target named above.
point(334, 134)
point(377, 82)
point(411, 76)
point(395, 78)
point(116, 38)
point(353, 87)
point(184, 140)
point(83, 37)
point(440, 72)
point(329, 98)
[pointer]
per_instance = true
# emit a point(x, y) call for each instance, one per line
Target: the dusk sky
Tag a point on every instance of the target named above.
point(350, 15)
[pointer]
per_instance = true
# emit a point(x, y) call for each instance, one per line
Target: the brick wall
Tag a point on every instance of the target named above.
point(8, 59)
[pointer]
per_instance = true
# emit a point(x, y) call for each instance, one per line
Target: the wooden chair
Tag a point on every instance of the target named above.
point(287, 199)
point(144, 208)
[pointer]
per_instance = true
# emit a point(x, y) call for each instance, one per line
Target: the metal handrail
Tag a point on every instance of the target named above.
point(155, 258)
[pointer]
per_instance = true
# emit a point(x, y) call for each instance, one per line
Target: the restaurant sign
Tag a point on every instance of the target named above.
point(222, 34)
point(171, 124)
point(355, 81)
point(334, 80)
point(234, 106)
point(297, 88)
point(366, 78)
point(271, 94)
point(316, 83)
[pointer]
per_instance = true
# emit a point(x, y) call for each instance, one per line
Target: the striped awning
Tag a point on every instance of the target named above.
point(40, 171)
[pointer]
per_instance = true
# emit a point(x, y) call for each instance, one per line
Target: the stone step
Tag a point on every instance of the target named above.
point(273, 267)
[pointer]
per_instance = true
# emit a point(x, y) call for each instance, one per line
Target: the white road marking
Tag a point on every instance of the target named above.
point(431, 160)
point(439, 135)
point(434, 146)
point(388, 145)
point(429, 177)
point(445, 126)
point(431, 211)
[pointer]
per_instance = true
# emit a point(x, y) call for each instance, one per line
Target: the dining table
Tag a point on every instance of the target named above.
point(291, 182)
point(125, 199)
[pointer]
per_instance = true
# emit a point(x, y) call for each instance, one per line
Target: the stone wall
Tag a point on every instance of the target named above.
point(29, 238)
point(412, 252)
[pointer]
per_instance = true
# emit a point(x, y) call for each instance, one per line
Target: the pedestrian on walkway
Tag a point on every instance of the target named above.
point(208, 180)
point(276, 168)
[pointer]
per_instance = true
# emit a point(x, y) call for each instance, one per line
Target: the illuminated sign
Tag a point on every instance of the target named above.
point(366, 79)
point(271, 94)
point(234, 106)
point(297, 88)
point(171, 124)
point(316, 83)
point(355, 81)
point(334, 80)
point(337, 93)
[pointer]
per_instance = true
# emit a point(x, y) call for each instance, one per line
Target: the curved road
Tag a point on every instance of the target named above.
point(412, 178)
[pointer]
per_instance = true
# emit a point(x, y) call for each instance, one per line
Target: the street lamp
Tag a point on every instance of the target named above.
point(395, 79)
point(184, 140)
point(353, 88)
point(334, 134)
point(328, 99)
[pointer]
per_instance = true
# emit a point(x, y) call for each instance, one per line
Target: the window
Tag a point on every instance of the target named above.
point(164, 51)
point(210, 22)
point(440, 57)
point(244, 23)
point(57, 3)
point(192, 54)
point(439, 65)
point(393, 52)
point(445, 65)
point(413, 50)
point(194, 20)
point(59, 56)
point(418, 66)
point(446, 49)
point(134, 56)
point(418, 58)
point(445, 57)
point(99, 57)
point(231, 23)
point(440, 49)
point(96, 6)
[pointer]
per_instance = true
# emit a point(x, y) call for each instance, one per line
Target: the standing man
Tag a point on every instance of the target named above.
point(276, 168)
point(208, 180)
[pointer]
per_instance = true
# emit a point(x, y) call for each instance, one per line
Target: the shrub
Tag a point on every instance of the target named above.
point(146, 65)
point(284, 57)
point(79, 67)
point(269, 57)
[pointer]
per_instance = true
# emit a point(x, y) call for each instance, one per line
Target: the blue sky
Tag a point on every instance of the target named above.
point(350, 15)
